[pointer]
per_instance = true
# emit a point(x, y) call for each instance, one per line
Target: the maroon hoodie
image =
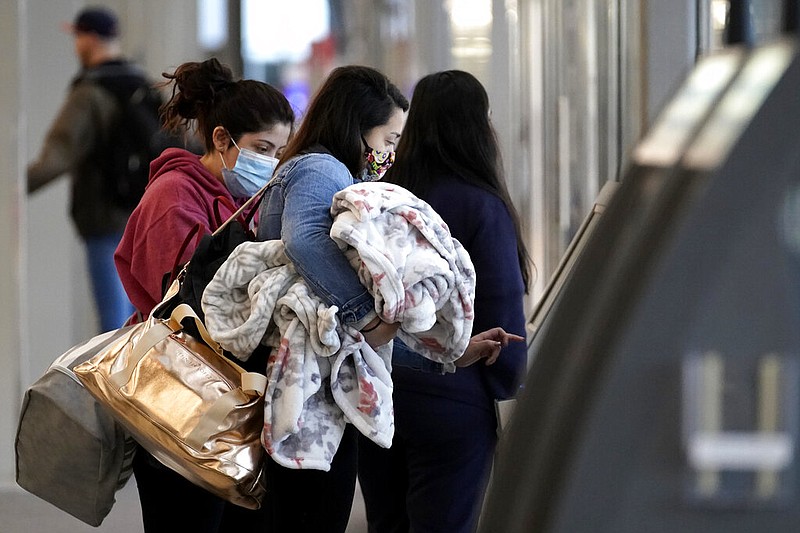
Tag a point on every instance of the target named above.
point(179, 195)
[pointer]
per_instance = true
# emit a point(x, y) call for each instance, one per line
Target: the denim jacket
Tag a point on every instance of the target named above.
point(296, 209)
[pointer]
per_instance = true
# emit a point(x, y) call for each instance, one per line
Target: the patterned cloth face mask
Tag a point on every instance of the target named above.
point(377, 162)
point(251, 172)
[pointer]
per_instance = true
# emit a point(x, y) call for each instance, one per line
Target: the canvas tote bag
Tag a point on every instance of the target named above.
point(69, 450)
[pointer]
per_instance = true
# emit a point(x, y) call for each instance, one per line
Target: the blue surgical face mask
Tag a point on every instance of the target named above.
point(251, 172)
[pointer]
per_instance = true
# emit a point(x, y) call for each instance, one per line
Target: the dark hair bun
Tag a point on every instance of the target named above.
point(196, 86)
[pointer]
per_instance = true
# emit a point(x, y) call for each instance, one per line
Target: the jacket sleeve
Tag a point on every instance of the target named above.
point(305, 230)
point(70, 138)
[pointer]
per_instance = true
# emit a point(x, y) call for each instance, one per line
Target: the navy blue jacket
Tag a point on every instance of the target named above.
point(483, 225)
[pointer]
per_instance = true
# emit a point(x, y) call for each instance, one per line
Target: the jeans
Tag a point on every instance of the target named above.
point(111, 301)
point(402, 355)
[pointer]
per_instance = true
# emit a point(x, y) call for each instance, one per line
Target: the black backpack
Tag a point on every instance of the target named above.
point(136, 136)
point(210, 252)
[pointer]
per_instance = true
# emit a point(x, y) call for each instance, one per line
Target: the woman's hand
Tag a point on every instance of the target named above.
point(377, 333)
point(486, 345)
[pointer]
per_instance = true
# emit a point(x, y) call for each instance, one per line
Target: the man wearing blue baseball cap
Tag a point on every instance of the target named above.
point(97, 20)
point(80, 142)
point(95, 32)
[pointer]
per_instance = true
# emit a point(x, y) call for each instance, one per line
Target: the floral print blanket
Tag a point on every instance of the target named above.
point(419, 275)
point(320, 374)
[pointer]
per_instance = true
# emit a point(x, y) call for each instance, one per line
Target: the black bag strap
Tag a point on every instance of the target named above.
point(243, 219)
point(195, 234)
point(253, 201)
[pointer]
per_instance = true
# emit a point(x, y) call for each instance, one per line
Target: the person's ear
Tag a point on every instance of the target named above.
point(221, 139)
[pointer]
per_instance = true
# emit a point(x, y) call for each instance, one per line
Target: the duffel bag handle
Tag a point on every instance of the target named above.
point(157, 331)
point(183, 311)
point(253, 386)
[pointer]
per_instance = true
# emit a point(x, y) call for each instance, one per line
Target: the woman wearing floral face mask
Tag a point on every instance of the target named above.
point(348, 134)
point(378, 162)
point(243, 124)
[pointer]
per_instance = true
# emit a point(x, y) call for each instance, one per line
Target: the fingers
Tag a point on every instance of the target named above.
point(482, 335)
point(498, 334)
point(490, 350)
point(510, 337)
point(490, 360)
point(476, 350)
point(487, 345)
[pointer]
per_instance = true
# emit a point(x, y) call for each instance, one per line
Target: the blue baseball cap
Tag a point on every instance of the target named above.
point(97, 20)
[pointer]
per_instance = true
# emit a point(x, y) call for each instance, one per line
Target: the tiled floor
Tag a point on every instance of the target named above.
point(21, 512)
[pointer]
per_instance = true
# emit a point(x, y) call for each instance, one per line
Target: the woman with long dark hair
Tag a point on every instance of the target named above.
point(433, 477)
point(348, 134)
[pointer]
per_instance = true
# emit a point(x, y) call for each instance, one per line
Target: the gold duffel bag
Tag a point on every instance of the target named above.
point(192, 408)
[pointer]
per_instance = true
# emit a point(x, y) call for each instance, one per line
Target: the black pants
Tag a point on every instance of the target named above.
point(297, 501)
point(170, 503)
point(313, 501)
point(433, 477)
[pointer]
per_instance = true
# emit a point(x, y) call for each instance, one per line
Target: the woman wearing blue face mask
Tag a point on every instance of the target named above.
point(244, 125)
point(249, 173)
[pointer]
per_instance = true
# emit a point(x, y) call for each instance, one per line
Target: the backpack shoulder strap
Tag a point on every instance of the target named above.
point(122, 79)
